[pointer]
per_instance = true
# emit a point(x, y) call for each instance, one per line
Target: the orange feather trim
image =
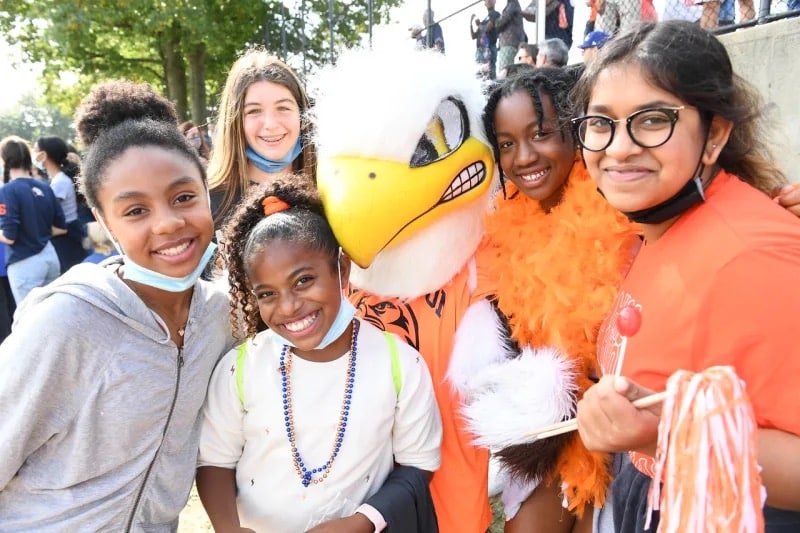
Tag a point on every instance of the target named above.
point(557, 276)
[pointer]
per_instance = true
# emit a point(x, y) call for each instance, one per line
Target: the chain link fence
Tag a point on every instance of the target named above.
point(716, 15)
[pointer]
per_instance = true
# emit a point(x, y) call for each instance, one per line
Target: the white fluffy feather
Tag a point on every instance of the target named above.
point(512, 398)
point(426, 262)
point(479, 342)
point(377, 104)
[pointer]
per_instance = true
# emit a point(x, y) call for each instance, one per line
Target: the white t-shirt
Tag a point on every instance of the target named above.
point(64, 190)
point(382, 428)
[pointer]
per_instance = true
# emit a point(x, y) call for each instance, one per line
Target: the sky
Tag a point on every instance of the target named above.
point(19, 79)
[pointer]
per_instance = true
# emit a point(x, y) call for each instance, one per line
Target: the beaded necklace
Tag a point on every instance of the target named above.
point(306, 475)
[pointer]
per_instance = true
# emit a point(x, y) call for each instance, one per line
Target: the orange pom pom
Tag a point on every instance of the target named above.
point(706, 456)
point(273, 204)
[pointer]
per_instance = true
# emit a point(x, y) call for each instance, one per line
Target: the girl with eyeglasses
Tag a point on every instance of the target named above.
point(559, 252)
point(671, 137)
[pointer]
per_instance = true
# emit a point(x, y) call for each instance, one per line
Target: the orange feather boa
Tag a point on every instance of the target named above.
point(557, 276)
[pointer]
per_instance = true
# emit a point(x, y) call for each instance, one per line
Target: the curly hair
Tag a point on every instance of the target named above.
point(691, 63)
point(249, 232)
point(118, 115)
point(227, 168)
point(116, 101)
point(554, 82)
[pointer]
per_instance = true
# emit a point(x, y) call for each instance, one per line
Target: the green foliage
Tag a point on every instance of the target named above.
point(30, 120)
point(151, 40)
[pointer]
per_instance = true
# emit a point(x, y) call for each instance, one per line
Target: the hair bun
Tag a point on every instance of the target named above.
point(114, 102)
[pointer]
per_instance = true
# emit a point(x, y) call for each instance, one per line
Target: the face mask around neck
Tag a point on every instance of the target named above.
point(340, 324)
point(151, 278)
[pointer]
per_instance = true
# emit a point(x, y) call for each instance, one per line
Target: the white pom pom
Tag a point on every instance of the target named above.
point(511, 398)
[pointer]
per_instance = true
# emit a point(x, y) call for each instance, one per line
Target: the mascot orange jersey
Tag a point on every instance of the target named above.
point(405, 174)
point(463, 475)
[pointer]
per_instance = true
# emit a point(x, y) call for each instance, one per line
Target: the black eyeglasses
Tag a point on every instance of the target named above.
point(648, 128)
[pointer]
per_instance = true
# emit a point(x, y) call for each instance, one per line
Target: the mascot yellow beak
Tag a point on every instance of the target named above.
point(373, 204)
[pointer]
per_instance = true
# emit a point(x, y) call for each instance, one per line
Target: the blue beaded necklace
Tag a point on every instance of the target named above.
point(306, 475)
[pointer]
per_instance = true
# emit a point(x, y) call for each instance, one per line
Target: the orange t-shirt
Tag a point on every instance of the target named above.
point(720, 287)
point(429, 324)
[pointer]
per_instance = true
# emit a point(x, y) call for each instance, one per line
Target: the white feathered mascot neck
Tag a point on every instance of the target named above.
point(404, 168)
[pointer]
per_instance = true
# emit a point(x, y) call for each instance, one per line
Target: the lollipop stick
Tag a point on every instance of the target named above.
point(621, 356)
point(572, 424)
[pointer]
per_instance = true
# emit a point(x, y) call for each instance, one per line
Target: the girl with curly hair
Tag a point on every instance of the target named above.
point(305, 422)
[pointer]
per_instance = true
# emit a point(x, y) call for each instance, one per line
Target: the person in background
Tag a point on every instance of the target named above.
point(51, 154)
point(510, 34)
point(30, 215)
point(527, 54)
point(100, 242)
point(485, 40)
point(552, 53)
point(590, 23)
point(558, 22)
point(262, 131)
point(196, 138)
point(7, 304)
point(592, 44)
point(430, 35)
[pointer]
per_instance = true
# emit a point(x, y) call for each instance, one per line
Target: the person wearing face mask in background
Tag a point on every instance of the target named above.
point(50, 153)
point(359, 421)
point(30, 216)
point(106, 438)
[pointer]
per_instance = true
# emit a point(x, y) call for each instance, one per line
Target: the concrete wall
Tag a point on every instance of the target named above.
point(768, 56)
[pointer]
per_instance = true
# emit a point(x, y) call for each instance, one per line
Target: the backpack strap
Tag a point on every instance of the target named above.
point(394, 353)
point(241, 353)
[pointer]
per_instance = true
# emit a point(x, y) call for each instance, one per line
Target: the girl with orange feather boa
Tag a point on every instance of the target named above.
point(558, 252)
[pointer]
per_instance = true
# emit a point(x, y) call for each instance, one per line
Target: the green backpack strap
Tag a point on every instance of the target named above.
point(394, 353)
point(241, 353)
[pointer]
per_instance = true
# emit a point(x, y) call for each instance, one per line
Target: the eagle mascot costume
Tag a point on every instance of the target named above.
point(407, 179)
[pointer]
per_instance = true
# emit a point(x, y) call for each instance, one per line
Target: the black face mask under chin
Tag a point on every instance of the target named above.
point(689, 196)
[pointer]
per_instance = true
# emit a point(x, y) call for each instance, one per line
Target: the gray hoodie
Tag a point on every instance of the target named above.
point(98, 409)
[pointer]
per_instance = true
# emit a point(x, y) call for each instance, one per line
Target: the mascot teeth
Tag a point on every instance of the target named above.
point(467, 179)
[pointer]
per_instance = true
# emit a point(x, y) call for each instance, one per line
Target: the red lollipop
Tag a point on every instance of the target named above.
point(629, 320)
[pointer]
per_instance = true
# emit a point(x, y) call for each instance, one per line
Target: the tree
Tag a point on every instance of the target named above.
point(184, 47)
point(30, 120)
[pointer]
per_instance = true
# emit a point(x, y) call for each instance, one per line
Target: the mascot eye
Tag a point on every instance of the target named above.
point(446, 132)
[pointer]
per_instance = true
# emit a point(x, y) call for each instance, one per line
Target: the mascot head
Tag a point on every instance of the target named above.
point(404, 168)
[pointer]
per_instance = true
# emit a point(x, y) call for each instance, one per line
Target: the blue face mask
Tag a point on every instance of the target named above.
point(343, 319)
point(151, 278)
point(268, 165)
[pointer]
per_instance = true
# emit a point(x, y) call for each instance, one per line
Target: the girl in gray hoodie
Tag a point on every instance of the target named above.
point(105, 372)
